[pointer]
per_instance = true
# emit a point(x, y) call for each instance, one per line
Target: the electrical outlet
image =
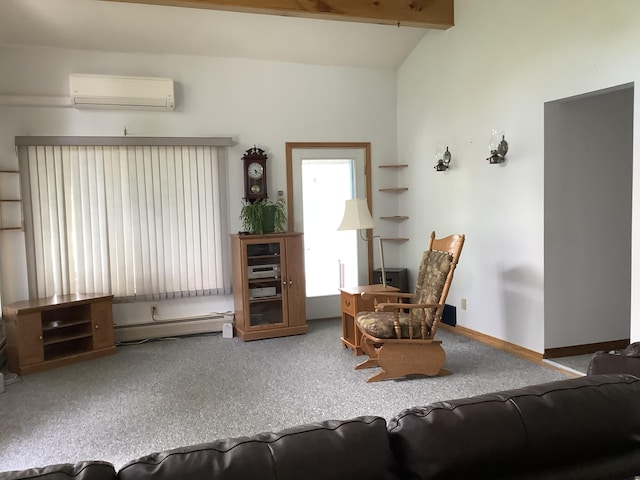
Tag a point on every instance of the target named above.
point(154, 310)
point(463, 303)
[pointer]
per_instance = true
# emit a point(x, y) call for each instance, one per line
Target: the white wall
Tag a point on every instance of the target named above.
point(261, 103)
point(495, 69)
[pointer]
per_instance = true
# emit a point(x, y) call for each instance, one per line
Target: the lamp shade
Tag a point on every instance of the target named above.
point(356, 215)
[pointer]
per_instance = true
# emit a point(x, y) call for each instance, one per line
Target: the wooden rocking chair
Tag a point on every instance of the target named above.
point(400, 337)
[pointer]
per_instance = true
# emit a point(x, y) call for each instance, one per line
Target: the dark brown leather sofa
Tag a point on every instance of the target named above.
point(582, 428)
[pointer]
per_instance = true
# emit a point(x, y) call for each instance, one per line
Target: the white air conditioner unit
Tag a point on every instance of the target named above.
point(116, 92)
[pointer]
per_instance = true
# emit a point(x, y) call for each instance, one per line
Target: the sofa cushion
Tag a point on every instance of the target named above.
point(334, 449)
point(92, 470)
point(533, 432)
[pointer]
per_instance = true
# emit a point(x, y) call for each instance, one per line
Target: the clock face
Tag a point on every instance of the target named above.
point(255, 171)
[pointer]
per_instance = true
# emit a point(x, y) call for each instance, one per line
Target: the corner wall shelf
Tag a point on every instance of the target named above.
point(394, 218)
point(10, 201)
point(393, 189)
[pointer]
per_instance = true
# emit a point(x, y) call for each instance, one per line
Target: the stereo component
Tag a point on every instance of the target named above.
point(262, 292)
point(263, 271)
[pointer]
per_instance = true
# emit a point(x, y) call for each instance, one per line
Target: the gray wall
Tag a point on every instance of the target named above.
point(587, 228)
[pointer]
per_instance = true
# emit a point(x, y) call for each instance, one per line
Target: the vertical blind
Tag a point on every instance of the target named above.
point(139, 221)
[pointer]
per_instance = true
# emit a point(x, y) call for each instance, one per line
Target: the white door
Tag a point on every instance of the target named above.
point(323, 178)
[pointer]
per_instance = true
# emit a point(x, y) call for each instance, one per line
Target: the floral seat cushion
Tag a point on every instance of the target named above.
point(380, 324)
point(432, 277)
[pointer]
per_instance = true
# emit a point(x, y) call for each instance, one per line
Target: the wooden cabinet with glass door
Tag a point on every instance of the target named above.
point(268, 285)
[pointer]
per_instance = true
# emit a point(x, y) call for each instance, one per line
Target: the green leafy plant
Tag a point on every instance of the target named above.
point(251, 217)
point(263, 216)
point(279, 214)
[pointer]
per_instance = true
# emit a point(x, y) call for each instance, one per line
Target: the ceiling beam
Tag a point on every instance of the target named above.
point(436, 14)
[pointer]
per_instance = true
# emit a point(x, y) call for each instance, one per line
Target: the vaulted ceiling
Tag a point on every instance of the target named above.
point(359, 33)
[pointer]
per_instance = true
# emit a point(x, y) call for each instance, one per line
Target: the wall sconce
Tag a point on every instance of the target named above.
point(442, 159)
point(498, 148)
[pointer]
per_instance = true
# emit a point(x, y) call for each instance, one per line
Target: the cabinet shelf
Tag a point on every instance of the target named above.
point(396, 218)
point(61, 338)
point(66, 356)
point(263, 257)
point(394, 165)
point(268, 280)
point(56, 324)
point(265, 299)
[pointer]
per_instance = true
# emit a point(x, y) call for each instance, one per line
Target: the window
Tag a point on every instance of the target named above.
point(331, 254)
point(140, 218)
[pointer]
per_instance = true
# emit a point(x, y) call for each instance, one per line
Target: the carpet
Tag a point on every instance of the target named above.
point(175, 392)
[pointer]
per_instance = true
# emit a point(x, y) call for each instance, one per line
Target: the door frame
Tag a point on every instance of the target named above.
point(366, 146)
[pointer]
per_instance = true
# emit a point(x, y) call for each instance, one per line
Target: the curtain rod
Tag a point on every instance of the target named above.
point(124, 141)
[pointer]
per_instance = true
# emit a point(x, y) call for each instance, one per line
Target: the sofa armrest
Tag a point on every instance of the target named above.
point(541, 428)
point(606, 362)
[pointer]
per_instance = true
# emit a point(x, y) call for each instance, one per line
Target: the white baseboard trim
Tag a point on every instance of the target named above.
point(563, 367)
point(143, 331)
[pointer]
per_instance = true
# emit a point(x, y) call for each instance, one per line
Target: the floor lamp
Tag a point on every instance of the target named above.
point(358, 217)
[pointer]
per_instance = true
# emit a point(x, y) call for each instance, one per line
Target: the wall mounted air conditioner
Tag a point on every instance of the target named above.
point(117, 92)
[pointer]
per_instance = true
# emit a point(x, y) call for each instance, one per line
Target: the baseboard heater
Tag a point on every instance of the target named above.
point(173, 327)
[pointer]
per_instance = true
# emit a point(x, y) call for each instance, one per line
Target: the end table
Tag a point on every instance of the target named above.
point(353, 302)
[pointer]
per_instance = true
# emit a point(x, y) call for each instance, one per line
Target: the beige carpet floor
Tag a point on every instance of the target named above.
point(164, 394)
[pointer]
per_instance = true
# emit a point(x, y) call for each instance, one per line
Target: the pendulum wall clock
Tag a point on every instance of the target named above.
point(255, 174)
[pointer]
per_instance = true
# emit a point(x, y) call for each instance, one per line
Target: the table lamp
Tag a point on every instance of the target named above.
point(358, 217)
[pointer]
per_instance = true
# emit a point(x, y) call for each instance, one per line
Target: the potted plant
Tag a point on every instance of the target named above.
point(263, 216)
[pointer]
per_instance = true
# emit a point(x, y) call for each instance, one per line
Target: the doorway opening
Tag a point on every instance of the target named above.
point(588, 166)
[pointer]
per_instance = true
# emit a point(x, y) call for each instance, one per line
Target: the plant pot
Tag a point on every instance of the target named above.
point(268, 218)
